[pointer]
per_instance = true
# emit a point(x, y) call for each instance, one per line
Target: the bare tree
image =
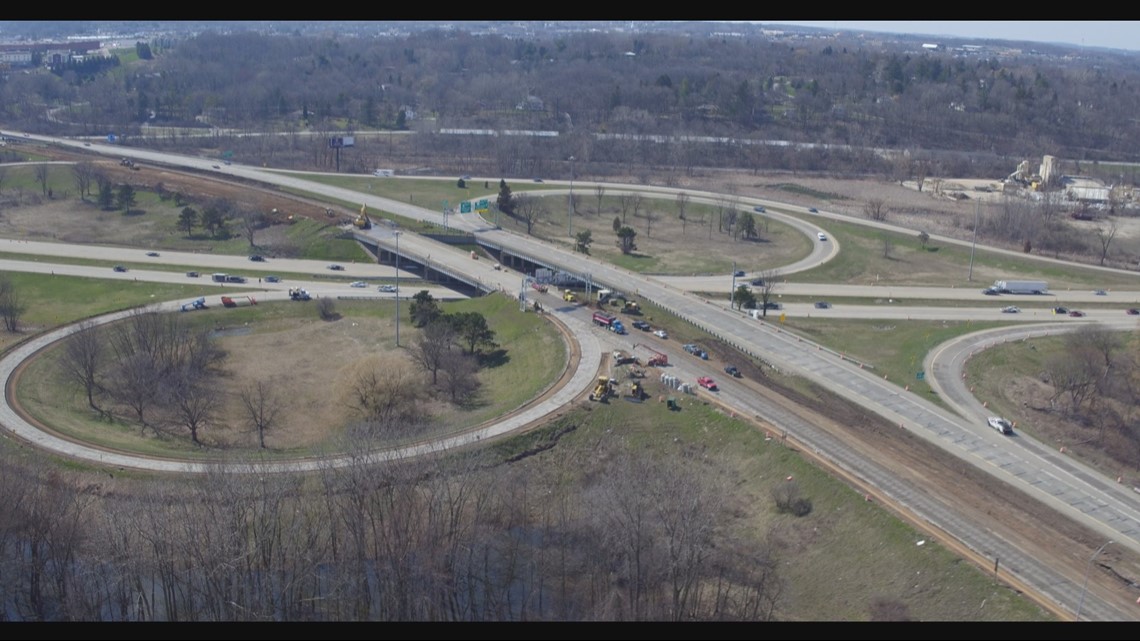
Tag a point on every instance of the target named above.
point(3, 175)
point(635, 203)
point(682, 203)
point(326, 308)
point(767, 289)
point(262, 408)
point(83, 357)
point(599, 193)
point(1105, 236)
point(84, 173)
point(459, 379)
point(194, 399)
point(251, 221)
point(923, 239)
point(888, 245)
point(875, 209)
point(625, 201)
point(41, 172)
point(136, 383)
point(385, 392)
point(530, 209)
point(430, 349)
point(11, 307)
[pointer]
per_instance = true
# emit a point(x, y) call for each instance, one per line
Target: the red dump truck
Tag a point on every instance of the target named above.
point(238, 301)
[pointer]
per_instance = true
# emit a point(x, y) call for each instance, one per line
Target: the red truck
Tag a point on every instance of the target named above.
point(238, 301)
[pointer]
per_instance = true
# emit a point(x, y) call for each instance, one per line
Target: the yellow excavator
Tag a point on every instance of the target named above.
point(362, 221)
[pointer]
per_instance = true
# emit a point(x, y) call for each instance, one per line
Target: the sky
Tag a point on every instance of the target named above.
point(1114, 34)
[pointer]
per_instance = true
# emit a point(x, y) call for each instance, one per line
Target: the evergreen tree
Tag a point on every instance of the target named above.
point(506, 201)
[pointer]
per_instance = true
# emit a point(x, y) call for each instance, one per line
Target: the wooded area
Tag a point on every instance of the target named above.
point(609, 97)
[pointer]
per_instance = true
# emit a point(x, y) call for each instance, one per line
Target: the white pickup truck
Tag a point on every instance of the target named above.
point(1000, 424)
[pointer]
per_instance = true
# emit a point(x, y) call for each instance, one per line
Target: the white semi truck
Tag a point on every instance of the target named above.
point(1020, 287)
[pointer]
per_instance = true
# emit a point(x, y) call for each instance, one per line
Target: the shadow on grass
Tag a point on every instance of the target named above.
point(496, 358)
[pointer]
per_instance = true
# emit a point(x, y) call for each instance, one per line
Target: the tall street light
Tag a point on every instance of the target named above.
point(570, 205)
point(397, 235)
point(1086, 586)
point(973, 244)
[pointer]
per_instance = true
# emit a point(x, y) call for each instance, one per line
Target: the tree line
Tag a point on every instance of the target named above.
point(471, 537)
point(839, 91)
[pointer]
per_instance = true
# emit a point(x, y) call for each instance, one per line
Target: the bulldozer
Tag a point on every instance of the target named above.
point(631, 307)
point(603, 389)
point(569, 296)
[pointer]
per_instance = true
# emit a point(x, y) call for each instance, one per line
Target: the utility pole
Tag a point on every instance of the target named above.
point(397, 235)
point(570, 204)
point(1086, 585)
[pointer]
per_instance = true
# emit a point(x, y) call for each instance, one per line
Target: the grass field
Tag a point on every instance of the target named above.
point(310, 370)
point(834, 561)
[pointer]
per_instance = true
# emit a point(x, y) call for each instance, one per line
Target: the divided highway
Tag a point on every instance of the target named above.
point(1081, 494)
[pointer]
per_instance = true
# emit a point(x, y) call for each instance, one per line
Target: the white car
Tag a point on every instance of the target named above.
point(358, 283)
point(821, 236)
point(1012, 309)
point(660, 333)
point(388, 289)
point(1000, 424)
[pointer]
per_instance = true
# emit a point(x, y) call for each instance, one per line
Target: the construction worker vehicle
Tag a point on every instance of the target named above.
point(362, 221)
point(238, 301)
point(696, 350)
point(657, 360)
point(603, 389)
point(622, 357)
point(631, 307)
point(610, 322)
point(298, 293)
point(199, 303)
point(569, 296)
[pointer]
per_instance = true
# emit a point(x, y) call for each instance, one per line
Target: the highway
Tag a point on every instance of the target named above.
point(1081, 494)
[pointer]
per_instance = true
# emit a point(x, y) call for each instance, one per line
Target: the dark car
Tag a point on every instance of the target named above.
point(152, 254)
point(738, 273)
point(192, 274)
point(1076, 314)
point(336, 268)
point(642, 325)
point(1133, 312)
point(757, 282)
point(272, 279)
point(1060, 310)
point(759, 209)
point(257, 259)
point(823, 305)
point(990, 291)
point(813, 210)
point(732, 371)
point(119, 268)
point(770, 305)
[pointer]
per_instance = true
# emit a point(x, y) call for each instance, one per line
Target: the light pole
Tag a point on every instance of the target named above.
point(570, 204)
point(397, 235)
point(1086, 585)
point(970, 278)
